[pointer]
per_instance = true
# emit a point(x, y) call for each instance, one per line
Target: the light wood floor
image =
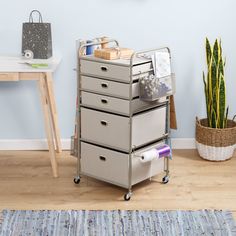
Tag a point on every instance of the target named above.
point(26, 183)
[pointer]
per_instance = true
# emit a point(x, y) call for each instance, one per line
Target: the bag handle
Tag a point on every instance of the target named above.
point(234, 117)
point(31, 20)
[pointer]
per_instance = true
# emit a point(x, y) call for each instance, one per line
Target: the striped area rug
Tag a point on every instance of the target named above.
point(117, 222)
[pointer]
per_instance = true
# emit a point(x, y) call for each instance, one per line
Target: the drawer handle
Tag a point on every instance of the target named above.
point(104, 85)
point(104, 68)
point(102, 158)
point(103, 122)
point(104, 101)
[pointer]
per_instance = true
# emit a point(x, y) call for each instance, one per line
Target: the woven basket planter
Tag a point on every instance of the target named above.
point(215, 144)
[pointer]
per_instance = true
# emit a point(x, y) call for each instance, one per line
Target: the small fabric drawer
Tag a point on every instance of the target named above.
point(108, 87)
point(115, 105)
point(105, 103)
point(113, 130)
point(105, 70)
point(112, 71)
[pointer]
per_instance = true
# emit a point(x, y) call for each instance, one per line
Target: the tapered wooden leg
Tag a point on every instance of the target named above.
point(47, 123)
point(53, 111)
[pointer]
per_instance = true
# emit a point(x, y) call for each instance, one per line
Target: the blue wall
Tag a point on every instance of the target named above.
point(140, 24)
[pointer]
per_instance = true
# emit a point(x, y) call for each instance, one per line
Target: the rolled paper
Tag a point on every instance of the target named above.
point(149, 155)
point(159, 152)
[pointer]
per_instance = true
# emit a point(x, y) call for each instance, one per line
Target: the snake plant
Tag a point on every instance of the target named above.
point(214, 84)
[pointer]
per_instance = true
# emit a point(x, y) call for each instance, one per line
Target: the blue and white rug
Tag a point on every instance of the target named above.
point(117, 222)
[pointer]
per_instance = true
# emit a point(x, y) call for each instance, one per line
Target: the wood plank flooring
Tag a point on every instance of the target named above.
point(26, 182)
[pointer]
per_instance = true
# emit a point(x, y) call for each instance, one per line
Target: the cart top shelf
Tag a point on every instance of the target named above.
point(120, 62)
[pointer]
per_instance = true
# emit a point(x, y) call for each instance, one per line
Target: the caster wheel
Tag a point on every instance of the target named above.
point(165, 180)
point(127, 196)
point(77, 180)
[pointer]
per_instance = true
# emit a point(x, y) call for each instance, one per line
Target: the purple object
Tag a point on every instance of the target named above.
point(163, 151)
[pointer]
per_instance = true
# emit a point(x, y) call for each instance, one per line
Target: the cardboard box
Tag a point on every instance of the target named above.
point(113, 53)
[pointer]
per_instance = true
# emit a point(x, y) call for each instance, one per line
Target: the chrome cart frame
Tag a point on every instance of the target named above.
point(132, 149)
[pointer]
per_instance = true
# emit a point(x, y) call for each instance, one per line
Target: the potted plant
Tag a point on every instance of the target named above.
point(215, 135)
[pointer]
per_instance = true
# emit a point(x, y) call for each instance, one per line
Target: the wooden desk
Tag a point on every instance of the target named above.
point(13, 69)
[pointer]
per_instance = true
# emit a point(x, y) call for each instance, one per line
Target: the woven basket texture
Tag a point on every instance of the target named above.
point(216, 137)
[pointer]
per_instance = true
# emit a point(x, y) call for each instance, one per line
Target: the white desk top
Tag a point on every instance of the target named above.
point(17, 64)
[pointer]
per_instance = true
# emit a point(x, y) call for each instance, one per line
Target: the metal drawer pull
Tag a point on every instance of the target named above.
point(104, 101)
point(103, 122)
point(102, 158)
point(104, 68)
point(104, 85)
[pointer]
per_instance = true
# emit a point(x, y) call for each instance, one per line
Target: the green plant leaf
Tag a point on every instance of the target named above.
point(213, 119)
point(222, 101)
point(221, 66)
point(214, 81)
point(226, 117)
point(208, 52)
point(216, 52)
point(206, 91)
point(217, 57)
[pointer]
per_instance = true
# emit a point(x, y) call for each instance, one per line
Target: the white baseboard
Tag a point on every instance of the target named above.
point(29, 144)
point(183, 143)
point(41, 144)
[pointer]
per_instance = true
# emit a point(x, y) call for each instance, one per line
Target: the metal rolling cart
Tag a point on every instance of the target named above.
point(93, 153)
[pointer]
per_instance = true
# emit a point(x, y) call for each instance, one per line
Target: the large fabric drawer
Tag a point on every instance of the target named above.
point(105, 129)
point(115, 105)
point(148, 126)
point(114, 131)
point(108, 87)
point(112, 166)
point(104, 164)
point(111, 71)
